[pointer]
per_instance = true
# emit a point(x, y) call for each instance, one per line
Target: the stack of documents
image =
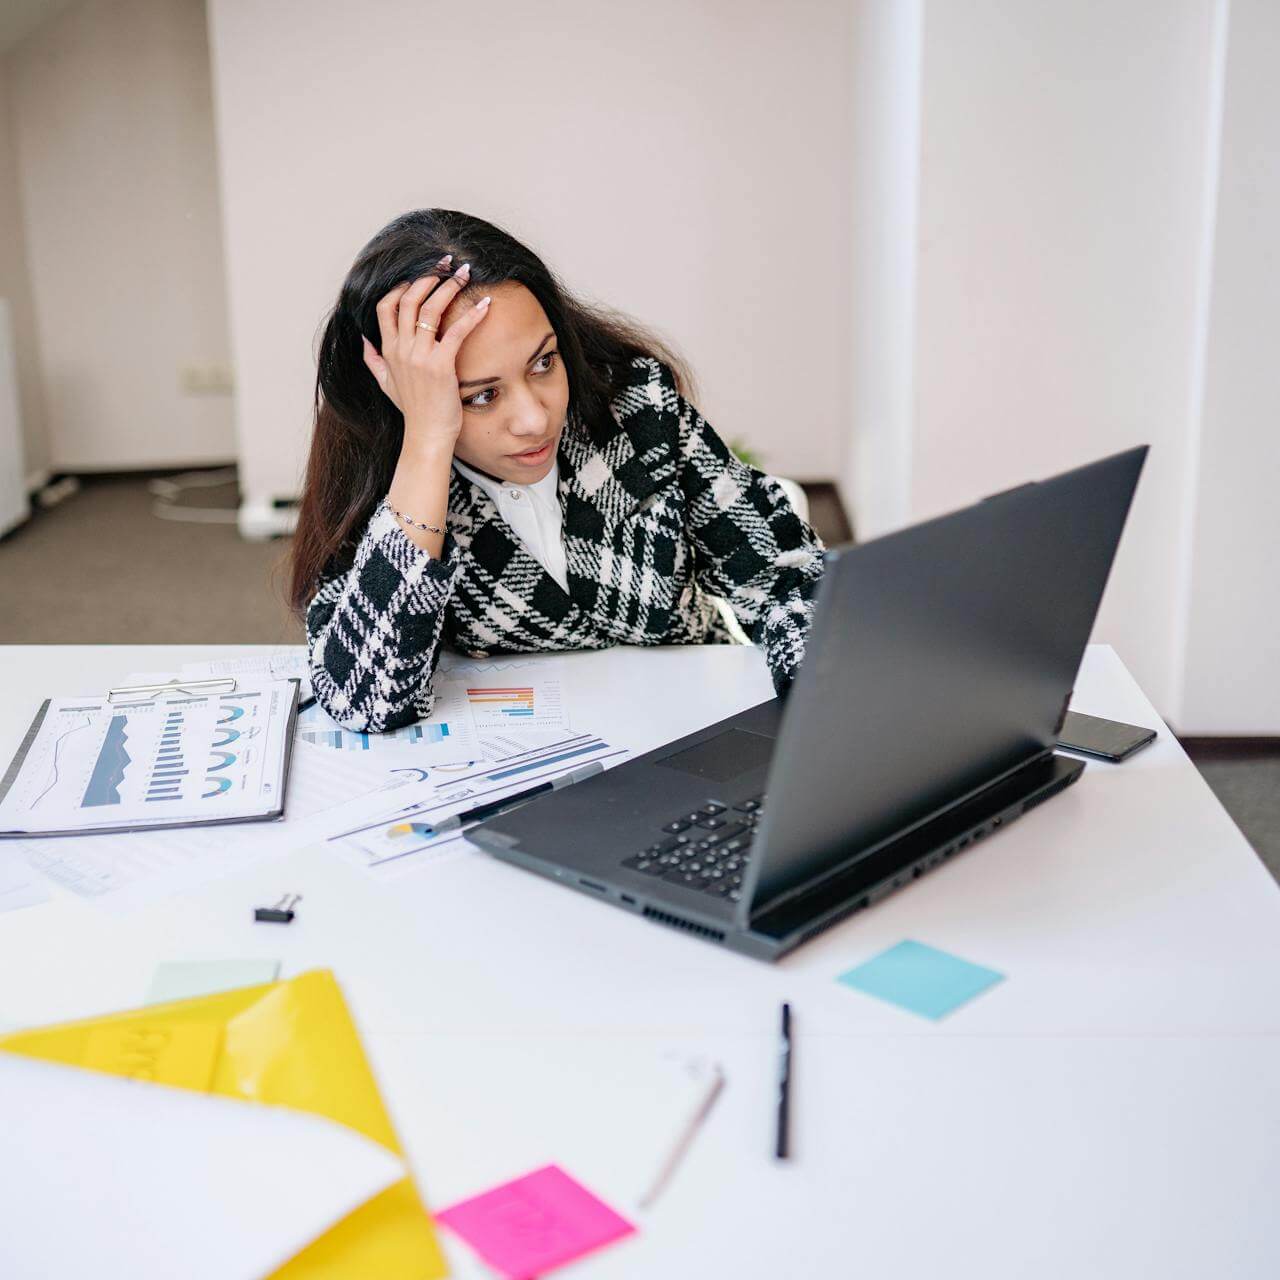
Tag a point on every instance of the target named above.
point(246, 1138)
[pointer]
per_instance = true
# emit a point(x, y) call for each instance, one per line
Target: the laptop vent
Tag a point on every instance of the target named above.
point(835, 920)
point(689, 926)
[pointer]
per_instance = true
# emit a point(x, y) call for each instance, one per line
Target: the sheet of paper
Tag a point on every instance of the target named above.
point(477, 716)
point(509, 701)
point(18, 886)
point(378, 833)
point(291, 660)
point(101, 1175)
point(530, 1225)
point(174, 758)
point(127, 870)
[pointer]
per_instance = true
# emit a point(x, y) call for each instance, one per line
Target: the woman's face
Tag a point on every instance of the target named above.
point(515, 392)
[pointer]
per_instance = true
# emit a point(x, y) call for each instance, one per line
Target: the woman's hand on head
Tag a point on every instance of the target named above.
point(417, 368)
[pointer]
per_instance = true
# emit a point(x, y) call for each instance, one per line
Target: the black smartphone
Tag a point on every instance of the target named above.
point(1107, 739)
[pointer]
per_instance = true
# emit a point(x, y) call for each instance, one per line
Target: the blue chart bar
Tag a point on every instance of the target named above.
point(170, 765)
point(429, 732)
point(544, 760)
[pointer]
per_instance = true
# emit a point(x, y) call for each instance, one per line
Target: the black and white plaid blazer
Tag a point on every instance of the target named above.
point(659, 515)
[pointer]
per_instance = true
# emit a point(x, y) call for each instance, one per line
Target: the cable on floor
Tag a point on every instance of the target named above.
point(167, 490)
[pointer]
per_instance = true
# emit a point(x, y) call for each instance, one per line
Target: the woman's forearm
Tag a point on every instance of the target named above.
point(420, 488)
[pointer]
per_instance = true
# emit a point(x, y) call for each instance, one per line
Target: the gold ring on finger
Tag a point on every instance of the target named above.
point(422, 324)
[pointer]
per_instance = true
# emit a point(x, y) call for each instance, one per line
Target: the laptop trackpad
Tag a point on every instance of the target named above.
point(726, 756)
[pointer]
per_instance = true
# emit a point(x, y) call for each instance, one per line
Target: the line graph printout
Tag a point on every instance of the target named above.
point(288, 660)
point(89, 764)
point(376, 832)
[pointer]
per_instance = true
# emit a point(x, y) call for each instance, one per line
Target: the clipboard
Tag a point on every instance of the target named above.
point(124, 696)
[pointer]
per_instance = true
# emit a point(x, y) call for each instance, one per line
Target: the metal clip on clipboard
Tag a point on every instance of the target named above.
point(148, 692)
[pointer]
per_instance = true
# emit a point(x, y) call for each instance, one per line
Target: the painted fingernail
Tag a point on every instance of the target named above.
point(448, 257)
point(484, 302)
point(463, 270)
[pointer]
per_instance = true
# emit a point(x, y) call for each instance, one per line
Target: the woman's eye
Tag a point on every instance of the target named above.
point(474, 402)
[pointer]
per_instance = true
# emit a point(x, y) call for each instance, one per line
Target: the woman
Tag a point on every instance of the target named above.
point(499, 466)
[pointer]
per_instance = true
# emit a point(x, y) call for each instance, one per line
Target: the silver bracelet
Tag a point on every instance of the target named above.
point(417, 524)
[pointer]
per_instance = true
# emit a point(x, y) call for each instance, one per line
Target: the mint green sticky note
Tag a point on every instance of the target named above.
point(183, 979)
point(921, 979)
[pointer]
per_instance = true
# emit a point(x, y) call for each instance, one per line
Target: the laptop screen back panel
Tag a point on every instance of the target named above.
point(941, 658)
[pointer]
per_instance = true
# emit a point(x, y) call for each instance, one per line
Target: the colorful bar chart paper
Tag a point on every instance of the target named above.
point(515, 701)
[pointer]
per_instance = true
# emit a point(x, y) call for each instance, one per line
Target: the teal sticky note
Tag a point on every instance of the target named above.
point(921, 978)
point(183, 979)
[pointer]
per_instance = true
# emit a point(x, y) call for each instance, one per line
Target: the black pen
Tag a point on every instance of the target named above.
point(497, 806)
point(784, 1083)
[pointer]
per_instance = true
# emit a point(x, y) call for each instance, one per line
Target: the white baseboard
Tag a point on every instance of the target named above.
point(259, 519)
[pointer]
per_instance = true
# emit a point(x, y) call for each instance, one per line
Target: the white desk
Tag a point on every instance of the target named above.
point(1111, 1109)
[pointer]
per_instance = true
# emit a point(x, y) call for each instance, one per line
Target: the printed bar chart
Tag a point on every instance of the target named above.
point(165, 782)
point(515, 702)
point(350, 740)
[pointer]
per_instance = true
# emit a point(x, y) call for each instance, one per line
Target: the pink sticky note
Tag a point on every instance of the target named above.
point(534, 1223)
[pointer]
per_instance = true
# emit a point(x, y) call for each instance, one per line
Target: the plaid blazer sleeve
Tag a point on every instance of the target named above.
point(750, 545)
point(373, 632)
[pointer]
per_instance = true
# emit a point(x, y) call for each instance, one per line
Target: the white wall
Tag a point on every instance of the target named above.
point(1060, 275)
point(687, 164)
point(112, 125)
point(1062, 168)
point(30, 462)
point(876, 477)
point(1232, 619)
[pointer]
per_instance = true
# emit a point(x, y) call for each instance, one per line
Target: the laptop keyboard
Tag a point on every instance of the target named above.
point(706, 849)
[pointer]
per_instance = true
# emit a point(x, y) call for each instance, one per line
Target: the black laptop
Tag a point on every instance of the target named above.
point(923, 719)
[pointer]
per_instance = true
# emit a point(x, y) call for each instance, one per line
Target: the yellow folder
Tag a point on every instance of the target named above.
point(289, 1044)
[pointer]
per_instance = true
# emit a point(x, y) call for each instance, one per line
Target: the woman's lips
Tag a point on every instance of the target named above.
point(534, 455)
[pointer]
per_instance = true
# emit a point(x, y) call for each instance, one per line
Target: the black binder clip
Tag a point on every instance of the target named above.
point(281, 913)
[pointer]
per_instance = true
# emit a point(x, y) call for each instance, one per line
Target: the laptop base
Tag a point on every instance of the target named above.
point(783, 926)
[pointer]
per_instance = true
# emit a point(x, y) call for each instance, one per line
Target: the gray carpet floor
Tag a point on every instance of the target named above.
point(103, 568)
point(1248, 784)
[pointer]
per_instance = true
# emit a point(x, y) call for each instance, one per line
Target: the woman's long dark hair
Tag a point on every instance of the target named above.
point(357, 434)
